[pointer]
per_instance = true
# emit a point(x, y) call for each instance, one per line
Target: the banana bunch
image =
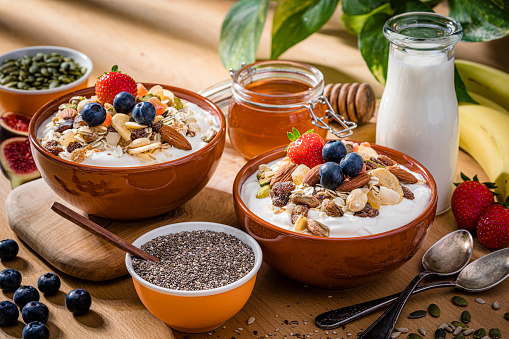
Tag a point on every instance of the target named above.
point(484, 128)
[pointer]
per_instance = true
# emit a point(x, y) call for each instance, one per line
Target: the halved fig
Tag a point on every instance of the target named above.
point(17, 161)
point(13, 124)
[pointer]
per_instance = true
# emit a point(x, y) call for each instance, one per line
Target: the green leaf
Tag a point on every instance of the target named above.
point(482, 20)
point(295, 20)
point(354, 23)
point(461, 90)
point(114, 68)
point(432, 3)
point(464, 177)
point(241, 32)
point(294, 134)
point(360, 7)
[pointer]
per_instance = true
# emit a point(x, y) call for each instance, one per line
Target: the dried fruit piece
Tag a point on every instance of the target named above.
point(299, 173)
point(118, 123)
point(141, 90)
point(317, 228)
point(374, 200)
point(367, 212)
point(301, 224)
point(299, 210)
point(174, 138)
point(139, 142)
point(280, 193)
point(356, 200)
point(160, 107)
point(17, 161)
point(73, 146)
point(388, 180)
point(407, 193)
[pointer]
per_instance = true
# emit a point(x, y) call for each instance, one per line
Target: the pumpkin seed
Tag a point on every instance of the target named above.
point(459, 301)
point(457, 323)
point(478, 334)
point(459, 336)
point(440, 333)
point(506, 316)
point(417, 314)
point(495, 333)
point(414, 336)
point(465, 317)
point(434, 311)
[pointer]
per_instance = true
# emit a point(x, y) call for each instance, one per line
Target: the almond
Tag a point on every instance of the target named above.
point(284, 174)
point(350, 184)
point(402, 175)
point(174, 138)
point(312, 177)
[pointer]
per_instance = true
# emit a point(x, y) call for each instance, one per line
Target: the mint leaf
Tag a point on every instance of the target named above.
point(241, 32)
point(295, 20)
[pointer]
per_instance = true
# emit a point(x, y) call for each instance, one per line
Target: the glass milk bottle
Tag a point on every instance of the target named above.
point(418, 113)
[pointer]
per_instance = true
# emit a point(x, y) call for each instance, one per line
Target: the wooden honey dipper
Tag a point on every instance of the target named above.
point(355, 102)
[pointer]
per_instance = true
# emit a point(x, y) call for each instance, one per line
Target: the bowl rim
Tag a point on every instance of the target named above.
point(192, 226)
point(85, 61)
point(79, 166)
point(430, 181)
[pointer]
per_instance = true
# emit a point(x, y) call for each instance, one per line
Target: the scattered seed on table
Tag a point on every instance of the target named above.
point(459, 336)
point(480, 301)
point(458, 324)
point(417, 314)
point(478, 334)
point(459, 301)
point(440, 333)
point(442, 326)
point(414, 336)
point(401, 329)
point(465, 317)
point(450, 328)
point(495, 333)
point(194, 261)
point(457, 330)
point(434, 311)
point(506, 316)
point(468, 332)
point(395, 335)
point(421, 330)
point(495, 305)
point(251, 320)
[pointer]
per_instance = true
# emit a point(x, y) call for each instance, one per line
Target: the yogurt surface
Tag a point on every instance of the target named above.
point(389, 218)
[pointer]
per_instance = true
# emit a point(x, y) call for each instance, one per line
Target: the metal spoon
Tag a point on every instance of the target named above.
point(446, 257)
point(480, 275)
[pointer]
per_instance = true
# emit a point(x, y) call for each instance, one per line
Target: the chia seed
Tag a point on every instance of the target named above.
point(196, 260)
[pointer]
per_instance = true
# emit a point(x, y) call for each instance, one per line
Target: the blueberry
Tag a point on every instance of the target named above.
point(10, 279)
point(352, 164)
point(8, 249)
point(330, 175)
point(48, 283)
point(93, 114)
point(78, 301)
point(35, 311)
point(35, 330)
point(124, 102)
point(334, 151)
point(8, 313)
point(144, 113)
point(25, 294)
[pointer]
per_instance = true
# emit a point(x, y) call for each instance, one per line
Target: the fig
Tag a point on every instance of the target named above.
point(17, 161)
point(13, 124)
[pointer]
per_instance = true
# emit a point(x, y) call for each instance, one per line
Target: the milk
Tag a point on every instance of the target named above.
point(418, 114)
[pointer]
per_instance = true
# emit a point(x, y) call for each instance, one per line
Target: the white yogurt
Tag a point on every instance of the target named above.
point(107, 158)
point(389, 218)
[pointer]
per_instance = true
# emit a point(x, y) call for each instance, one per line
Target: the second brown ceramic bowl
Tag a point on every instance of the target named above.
point(129, 193)
point(335, 262)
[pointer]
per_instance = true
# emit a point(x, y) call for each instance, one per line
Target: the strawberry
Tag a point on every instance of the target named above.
point(305, 149)
point(469, 200)
point(493, 226)
point(111, 83)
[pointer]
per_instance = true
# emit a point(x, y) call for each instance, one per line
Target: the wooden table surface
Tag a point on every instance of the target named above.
point(175, 42)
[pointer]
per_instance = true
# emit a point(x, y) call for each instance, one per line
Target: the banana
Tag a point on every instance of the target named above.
point(486, 81)
point(484, 134)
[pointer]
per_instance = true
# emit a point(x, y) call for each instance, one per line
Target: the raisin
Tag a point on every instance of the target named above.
point(110, 129)
point(280, 193)
point(367, 212)
point(407, 194)
point(370, 165)
point(323, 195)
point(157, 126)
point(298, 211)
point(190, 134)
point(52, 143)
point(138, 133)
point(73, 146)
point(64, 127)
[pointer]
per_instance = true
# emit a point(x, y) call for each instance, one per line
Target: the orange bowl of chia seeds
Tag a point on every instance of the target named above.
point(205, 275)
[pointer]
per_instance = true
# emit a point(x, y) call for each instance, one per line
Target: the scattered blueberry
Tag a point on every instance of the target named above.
point(330, 175)
point(8, 249)
point(334, 151)
point(35, 311)
point(93, 114)
point(35, 330)
point(144, 113)
point(48, 283)
point(25, 294)
point(78, 301)
point(10, 280)
point(124, 102)
point(352, 164)
point(8, 313)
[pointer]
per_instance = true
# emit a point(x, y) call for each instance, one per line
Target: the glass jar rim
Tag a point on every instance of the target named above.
point(449, 27)
point(316, 84)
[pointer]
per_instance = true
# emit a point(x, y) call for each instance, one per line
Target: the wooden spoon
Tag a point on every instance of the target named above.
point(92, 227)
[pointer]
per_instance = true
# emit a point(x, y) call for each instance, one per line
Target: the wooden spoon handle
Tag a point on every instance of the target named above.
point(92, 227)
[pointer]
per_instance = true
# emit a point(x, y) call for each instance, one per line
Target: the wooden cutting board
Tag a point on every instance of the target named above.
point(83, 255)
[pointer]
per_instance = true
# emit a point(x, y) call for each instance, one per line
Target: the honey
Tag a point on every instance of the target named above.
point(269, 99)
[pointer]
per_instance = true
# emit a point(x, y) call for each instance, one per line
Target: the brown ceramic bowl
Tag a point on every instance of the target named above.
point(29, 102)
point(335, 262)
point(128, 193)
